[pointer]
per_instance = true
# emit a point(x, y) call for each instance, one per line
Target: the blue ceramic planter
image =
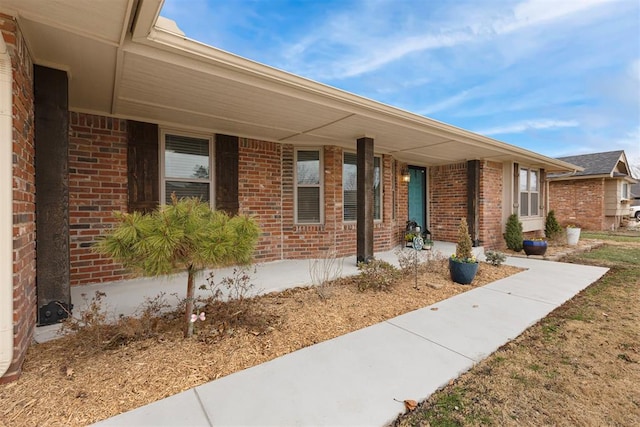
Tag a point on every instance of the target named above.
point(534, 247)
point(462, 272)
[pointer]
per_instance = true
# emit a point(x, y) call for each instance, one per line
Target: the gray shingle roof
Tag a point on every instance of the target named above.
point(596, 163)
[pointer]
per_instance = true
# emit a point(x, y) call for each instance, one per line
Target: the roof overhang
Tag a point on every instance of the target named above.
point(124, 62)
point(572, 177)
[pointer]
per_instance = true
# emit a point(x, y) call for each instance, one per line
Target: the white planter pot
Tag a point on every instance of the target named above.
point(573, 235)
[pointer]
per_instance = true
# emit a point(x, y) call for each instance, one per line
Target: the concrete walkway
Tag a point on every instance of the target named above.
point(353, 380)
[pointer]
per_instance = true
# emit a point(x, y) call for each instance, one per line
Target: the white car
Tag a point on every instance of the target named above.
point(634, 212)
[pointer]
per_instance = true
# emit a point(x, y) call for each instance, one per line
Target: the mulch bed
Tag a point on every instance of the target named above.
point(72, 381)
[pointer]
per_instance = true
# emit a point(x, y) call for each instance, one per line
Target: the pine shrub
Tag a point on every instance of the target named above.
point(463, 247)
point(552, 228)
point(513, 235)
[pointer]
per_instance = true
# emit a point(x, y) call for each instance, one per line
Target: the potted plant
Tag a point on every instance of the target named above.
point(463, 266)
point(536, 246)
point(573, 234)
point(428, 244)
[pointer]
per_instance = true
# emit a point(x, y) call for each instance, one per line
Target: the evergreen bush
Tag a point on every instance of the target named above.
point(463, 247)
point(552, 228)
point(513, 235)
point(185, 235)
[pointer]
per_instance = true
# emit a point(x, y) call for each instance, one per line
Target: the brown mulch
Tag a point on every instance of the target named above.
point(72, 381)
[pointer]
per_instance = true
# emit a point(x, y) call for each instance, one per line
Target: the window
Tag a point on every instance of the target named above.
point(529, 192)
point(186, 167)
point(625, 191)
point(308, 186)
point(350, 187)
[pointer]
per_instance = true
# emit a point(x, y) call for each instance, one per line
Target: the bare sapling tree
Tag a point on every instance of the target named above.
point(186, 235)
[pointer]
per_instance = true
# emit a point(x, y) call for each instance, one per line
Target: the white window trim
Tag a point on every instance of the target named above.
point(625, 191)
point(529, 192)
point(161, 161)
point(381, 219)
point(296, 185)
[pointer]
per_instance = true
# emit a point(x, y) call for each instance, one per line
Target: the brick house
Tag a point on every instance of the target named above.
point(109, 107)
point(596, 198)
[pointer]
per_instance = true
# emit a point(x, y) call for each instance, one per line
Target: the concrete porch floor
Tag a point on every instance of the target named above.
point(126, 297)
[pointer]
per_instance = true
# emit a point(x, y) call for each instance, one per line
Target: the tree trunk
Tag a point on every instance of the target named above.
point(188, 324)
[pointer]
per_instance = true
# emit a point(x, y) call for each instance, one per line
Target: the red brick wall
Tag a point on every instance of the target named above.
point(24, 231)
point(491, 186)
point(579, 202)
point(260, 179)
point(448, 200)
point(97, 187)
point(98, 174)
point(261, 195)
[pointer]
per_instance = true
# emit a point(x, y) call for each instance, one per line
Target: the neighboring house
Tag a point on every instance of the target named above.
point(635, 194)
point(596, 198)
point(110, 107)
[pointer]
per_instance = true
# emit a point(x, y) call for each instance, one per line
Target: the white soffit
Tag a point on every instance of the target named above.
point(160, 76)
point(100, 20)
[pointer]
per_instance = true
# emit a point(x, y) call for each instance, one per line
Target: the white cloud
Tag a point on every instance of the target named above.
point(348, 50)
point(519, 127)
point(446, 104)
point(536, 12)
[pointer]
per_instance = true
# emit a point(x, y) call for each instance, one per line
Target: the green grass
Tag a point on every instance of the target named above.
point(617, 236)
point(613, 255)
point(448, 411)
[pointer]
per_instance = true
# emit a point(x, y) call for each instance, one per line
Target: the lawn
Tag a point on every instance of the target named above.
point(578, 366)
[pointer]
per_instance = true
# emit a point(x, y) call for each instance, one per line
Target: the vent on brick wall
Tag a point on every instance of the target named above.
point(54, 312)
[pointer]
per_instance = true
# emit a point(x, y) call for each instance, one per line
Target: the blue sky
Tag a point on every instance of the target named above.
point(559, 77)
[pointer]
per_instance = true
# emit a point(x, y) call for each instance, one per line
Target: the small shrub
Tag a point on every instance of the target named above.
point(513, 235)
point(409, 258)
point(94, 330)
point(324, 272)
point(495, 258)
point(231, 306)
point(463, 246)
point(91, 322)
point(552, 228)
point(377, 275)
point(238, 285)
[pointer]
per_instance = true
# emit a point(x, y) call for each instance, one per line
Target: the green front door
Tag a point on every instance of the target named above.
point(418, 196)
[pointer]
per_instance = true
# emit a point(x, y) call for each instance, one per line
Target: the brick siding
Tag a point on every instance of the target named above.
point(97, 187)
point(24, 230)
point(448, 200)
point(579, 202)
point(491, 186)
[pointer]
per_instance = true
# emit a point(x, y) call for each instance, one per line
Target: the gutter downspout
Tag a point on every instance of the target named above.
point(6, 209)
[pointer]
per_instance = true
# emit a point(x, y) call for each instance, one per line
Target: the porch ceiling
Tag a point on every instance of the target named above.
point(121, 64)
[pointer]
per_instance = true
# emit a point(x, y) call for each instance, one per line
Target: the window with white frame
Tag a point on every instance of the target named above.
point(625, 191)
point(186, 166)
point(308, 186)
point(350, 187)
point(529, 192)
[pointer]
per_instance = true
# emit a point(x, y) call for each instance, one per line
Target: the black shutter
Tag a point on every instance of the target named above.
point(227, 174)
point(542, 190)
point(142, 166)
point(473, 200)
